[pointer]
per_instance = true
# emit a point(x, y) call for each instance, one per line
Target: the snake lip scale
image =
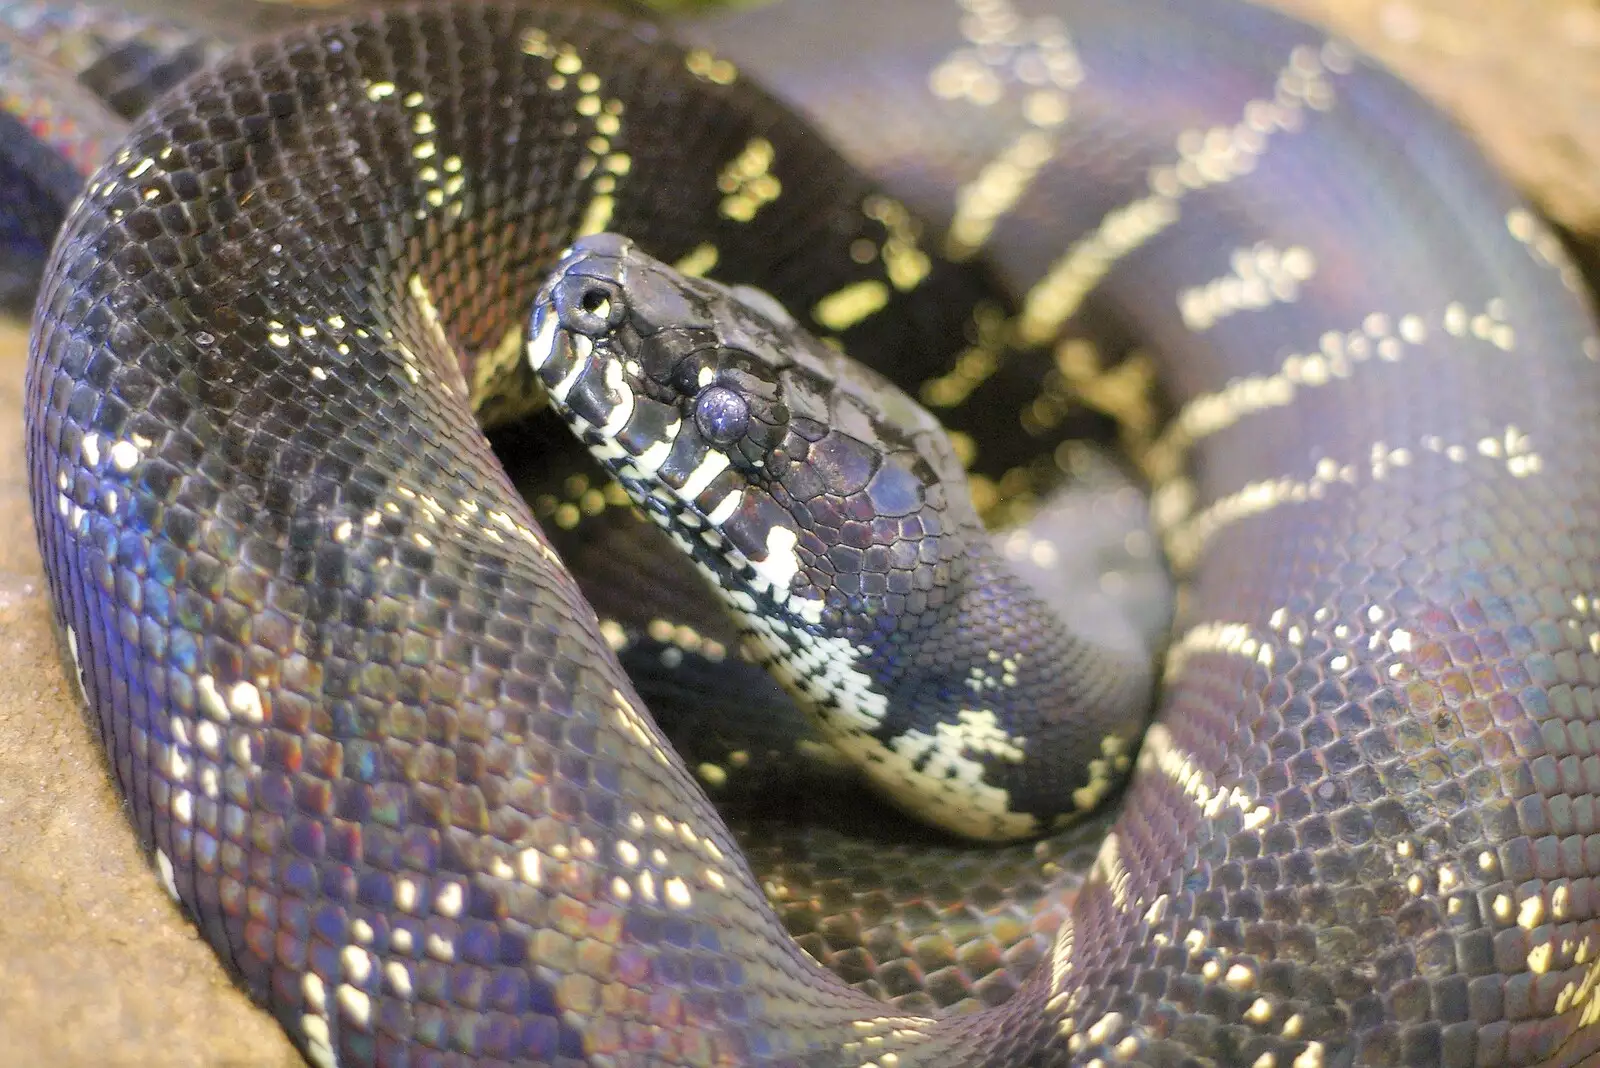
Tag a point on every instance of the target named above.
point(376, 739)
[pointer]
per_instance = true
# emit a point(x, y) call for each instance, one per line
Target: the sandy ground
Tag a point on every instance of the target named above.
point(97, 966)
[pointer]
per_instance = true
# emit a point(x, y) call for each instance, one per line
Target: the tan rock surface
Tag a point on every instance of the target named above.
point(1523, 75)
point(97, 964)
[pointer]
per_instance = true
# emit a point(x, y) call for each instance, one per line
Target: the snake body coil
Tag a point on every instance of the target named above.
point(379, 745)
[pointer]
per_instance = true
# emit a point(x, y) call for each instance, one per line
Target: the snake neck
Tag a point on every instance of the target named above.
point(945, 695)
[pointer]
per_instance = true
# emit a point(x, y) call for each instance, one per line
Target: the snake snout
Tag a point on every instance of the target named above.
point(573, 311)
point(587, 304)
point(571, 343)
point(582, 297)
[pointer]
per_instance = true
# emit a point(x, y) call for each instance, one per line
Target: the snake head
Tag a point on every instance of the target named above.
point(794, 475)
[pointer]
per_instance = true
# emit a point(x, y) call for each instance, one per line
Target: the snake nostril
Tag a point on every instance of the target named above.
point(589, 305)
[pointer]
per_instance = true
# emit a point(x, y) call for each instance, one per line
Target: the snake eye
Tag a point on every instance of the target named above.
point(588, 305)
point(721, 414)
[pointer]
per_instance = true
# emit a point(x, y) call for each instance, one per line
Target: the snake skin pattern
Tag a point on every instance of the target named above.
point(379, 746)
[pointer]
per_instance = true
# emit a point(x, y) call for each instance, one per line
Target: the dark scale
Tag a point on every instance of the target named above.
point(376, 741)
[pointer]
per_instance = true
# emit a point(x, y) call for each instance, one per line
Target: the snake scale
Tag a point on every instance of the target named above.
point(377, 740)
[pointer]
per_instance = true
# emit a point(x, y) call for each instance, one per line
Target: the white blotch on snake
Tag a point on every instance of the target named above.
point(448, 901)
point(619, 416)
point(542, 344)
point(355, 1004)
point(440, 949)
point(399, 978)
point(713, 465)
point(319, 1048)
point(650, 461)
point(245, 700)
point(77, 665)
point(528, 865)
point(211, 702)
point(168, 879)
point(582, 346)
point(725, 509)
point(782, 563)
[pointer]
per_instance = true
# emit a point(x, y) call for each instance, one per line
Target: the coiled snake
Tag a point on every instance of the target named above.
point(378, 743)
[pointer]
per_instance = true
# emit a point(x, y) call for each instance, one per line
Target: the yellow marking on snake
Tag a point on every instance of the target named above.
point(492, 368)
point(1186, 535)
point(1098, 1033)
point(1259, 277)
point(974, 365)
point(1109, 869)
point(451, 376)
point(708, 68)
point(698, 261)
point(1311, 1057)
point(1060, 963)
point(1000, 43)
point(584, 501)
point(536, 42)
point(844, 308)
point(1161, 753)
point(982, 202)
point(904, 263)
point(746, 182)
point(1580, 995)
point(685, 637)
point(603, 115)
point(597, 216)
point(1205, 158)
point(1338, 354)
point(1036, 59)
point(1105, 771)
point(1545, 247)
point(1125, 391)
